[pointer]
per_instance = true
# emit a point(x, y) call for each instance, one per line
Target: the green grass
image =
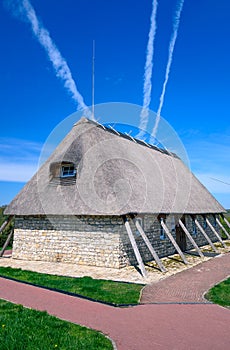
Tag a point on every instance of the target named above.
point(101, 290)
point(220, 294)
point(25, 329)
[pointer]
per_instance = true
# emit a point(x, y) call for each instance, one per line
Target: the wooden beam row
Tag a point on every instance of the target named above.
point(223, 228)
point(170, 236)
point(191, 239)
point(172, 239)
point(215, 233)
point(205, 235)
point(149, 245)
point(135, 248)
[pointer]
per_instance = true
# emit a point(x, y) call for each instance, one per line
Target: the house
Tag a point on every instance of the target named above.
point(104, 198)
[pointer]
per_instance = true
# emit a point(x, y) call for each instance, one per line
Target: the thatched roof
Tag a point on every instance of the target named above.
point(115, 175)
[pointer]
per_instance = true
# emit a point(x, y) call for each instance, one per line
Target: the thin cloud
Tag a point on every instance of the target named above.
point(18, 159)
point(176, 23)
point(23, 10)
point(16, 172)
point(209, 158)
point(9, 146)
point(213, 152)
point(148, 71)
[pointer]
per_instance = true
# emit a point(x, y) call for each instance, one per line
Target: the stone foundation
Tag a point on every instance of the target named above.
point(94, 240)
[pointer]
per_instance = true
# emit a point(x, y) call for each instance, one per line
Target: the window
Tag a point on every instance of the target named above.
point(68, 170)
point(214, 221)
point(173, 224)
point(205, 223)
point(140, 221)
point(162, 232)
point(194, 228)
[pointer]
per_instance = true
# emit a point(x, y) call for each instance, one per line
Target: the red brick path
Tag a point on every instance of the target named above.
point(189, 285)
point(144, 327)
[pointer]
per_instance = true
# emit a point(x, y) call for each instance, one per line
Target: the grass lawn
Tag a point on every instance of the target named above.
point(220, 294)
point(25, 329)
point(101, 290)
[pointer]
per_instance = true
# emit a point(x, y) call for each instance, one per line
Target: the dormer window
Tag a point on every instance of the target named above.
point(62, 173)
point(68, 170)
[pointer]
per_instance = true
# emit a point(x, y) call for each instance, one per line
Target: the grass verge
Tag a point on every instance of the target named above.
point(116, 293)
point(220, 294)
point(25, 329)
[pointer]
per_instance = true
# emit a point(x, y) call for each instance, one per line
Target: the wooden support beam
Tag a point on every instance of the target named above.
point(5, 223)
point(135, 248)
point(215, 233)
point(223, 228)
point(3, 226)
point(205, 235)
point(170, 236)
point(227, 222)
point(6, 243)
point(149, 245)
point(190, 238)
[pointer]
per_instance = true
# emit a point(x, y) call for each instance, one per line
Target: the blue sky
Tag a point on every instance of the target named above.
point(196, 105)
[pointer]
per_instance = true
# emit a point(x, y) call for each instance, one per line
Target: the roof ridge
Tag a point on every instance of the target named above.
point(125, 136)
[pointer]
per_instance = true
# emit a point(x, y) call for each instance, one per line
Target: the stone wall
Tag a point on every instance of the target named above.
point(94, 240)
point(83, 240)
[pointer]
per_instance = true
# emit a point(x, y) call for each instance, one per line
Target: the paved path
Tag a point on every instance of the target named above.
point(189, 285)
point(145, 327)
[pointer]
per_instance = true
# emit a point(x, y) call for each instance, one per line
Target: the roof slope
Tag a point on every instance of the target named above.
point(115, 176)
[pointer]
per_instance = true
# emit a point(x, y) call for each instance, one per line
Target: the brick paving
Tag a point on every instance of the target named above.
point(163, 325)
point(188, 286)
point(143, 327)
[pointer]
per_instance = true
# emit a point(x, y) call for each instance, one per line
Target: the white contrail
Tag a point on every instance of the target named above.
point(176, 23)
point(24, 8)
point(148, 71)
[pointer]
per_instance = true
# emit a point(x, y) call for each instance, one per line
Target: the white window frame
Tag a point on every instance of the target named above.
point(205, 223)
point(70, 172)
point(173, 224)
point(214, 220)
point(162, 231)
point(141, 223)
point(194, 228)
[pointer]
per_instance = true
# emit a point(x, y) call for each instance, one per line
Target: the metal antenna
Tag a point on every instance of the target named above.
point(93, 79)
point(223, 182)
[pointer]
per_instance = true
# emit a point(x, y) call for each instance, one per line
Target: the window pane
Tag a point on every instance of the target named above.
point(68, 170)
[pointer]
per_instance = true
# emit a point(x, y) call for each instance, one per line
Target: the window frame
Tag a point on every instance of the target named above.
point(214, 220)
point(173, 224)
point(205, 225)
point(71, 172)
point(194, 228)
point(141, 223)
point(162, 231)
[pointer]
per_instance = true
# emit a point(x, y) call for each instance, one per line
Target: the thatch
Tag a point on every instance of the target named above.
point(115, 176)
